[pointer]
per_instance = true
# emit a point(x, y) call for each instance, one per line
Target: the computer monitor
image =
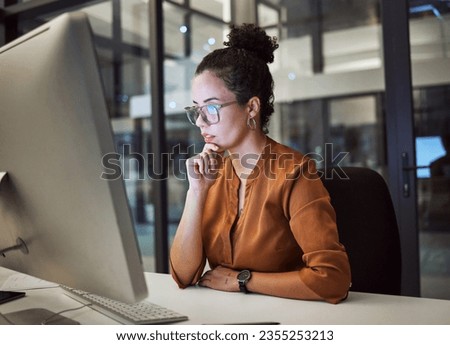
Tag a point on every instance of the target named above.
point(428, 149)
point(75, 226)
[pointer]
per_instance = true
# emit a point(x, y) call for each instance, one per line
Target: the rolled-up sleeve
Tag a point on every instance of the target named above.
point(326, 269)
point(195, 278)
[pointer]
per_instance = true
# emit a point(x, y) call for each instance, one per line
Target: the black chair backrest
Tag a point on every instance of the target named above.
point(367, 227)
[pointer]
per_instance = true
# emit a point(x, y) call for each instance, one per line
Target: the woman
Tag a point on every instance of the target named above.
point(255, 209)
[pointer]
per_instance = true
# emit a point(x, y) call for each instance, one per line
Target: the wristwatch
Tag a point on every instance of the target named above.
point(243, 278)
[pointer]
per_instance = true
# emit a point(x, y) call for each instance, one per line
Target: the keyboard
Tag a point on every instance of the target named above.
point(141, 313)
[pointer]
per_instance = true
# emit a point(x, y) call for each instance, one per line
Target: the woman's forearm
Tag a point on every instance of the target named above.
point(291, 285)
point(287, 285)
point(186, 253)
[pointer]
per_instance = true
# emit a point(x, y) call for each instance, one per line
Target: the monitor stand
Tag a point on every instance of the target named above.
point(20, 244)
point(35, 316)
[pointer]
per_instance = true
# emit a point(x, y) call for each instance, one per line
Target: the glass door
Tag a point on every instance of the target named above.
point(429, 27)
point(430, 56)
point(432, 124)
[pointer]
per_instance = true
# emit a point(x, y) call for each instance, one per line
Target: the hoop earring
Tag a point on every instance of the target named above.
point(251, 123)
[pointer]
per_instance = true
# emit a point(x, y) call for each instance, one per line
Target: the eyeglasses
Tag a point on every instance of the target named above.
point(208, 112)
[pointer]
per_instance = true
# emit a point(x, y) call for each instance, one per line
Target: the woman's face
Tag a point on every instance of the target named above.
point(230, 132)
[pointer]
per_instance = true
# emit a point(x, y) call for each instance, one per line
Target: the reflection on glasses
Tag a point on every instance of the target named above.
point(208, 112)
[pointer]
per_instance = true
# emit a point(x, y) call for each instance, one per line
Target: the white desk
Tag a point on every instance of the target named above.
point(206, 306)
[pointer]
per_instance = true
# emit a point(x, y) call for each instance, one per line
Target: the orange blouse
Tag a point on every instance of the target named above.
point(287, 223)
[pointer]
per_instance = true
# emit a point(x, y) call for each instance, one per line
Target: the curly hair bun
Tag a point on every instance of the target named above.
point(254, 39)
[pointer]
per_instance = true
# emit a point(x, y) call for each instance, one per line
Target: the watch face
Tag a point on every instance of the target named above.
point(244, 275)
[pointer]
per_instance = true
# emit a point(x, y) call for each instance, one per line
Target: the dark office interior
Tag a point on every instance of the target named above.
point(357, 83)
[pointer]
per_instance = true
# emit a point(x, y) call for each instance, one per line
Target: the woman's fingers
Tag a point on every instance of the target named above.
point(206, 163)
point(220, 278)
point(212, 147)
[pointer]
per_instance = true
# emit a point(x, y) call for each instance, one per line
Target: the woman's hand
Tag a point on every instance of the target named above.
point(202, 169)
point(220, 278)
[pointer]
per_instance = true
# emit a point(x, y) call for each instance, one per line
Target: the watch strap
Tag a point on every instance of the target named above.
point(243, 278)
point(242, 286)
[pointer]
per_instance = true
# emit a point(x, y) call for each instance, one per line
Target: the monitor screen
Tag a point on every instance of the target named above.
point(76, 226)
point(428, 149)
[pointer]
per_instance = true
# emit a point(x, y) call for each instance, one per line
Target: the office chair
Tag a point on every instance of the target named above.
point(367, 227)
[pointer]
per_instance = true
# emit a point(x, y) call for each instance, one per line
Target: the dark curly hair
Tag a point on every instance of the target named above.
point(243, 66)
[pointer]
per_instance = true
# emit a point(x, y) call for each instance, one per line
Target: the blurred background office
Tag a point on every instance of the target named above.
point(357, 83)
